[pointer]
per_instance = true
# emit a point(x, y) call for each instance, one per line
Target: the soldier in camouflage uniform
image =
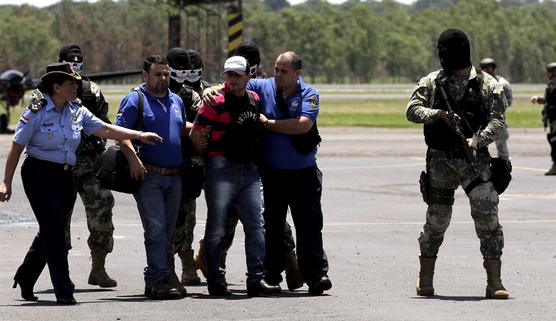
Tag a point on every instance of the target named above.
point(98, 201)
point(549, 113)
point(479, 105)
point(488, 65)
point(185, 72)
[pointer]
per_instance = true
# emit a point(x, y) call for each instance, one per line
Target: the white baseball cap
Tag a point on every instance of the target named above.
point(237, 64)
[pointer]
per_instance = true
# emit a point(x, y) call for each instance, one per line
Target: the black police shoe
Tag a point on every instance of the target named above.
point(261, 287)
point(65, 299)
point(162, 290)
point(321, 285)
point(219, 289)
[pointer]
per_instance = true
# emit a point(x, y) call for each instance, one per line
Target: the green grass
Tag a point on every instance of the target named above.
point(388, 113)
point(391, 113)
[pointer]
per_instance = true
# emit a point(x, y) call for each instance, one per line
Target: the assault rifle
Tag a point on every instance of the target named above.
point(468, 153)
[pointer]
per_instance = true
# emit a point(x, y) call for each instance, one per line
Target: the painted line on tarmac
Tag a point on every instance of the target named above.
point(531, 196)
point(530, 169)
point(376, 223)
point(371, 166)
point(422, 222)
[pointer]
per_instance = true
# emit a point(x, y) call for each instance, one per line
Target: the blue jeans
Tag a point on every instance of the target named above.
point(234, 185)
point(158, 200)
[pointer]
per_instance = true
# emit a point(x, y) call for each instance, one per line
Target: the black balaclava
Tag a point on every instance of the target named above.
point(70, 50)
point(178, 58)
point(67, 50)
point(178, 61)
point(196, 70)
point(250, 51)
point(454, 50)
point(196, 59)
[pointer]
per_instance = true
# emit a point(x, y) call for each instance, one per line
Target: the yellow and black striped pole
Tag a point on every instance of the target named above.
point(235, 28)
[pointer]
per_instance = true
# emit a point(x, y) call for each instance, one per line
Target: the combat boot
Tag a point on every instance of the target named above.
point(188, 272)
point(172, 278)
point(98, 275)
point(552, 170)
point(494, 289)
point(294, 279)
point(424, 282)
point(201, 259)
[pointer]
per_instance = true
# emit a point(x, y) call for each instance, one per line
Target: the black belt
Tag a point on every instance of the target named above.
point(48, 164)
point(450, 154)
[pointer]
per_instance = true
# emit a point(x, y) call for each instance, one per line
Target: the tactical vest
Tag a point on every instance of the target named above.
point(89, 95)
point(186, 95)
point(472, 107)
point(241, 140)
point(550, 101)
point(89, 98)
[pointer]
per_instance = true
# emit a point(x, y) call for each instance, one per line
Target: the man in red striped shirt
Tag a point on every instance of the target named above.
point(232, 177)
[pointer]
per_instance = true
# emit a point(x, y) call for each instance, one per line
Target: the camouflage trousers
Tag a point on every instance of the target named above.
point(551, 137)
point(183, 234)
point(448, 174)
point(98, 204)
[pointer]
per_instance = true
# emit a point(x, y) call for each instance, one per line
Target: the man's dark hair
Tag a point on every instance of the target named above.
point(154, 59)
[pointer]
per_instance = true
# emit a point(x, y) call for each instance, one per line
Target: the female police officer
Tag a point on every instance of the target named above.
point(50, 128)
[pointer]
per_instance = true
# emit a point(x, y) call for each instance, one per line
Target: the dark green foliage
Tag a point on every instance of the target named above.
point(357, 41)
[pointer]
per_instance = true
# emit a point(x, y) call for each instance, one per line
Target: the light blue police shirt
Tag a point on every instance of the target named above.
point(53, 135)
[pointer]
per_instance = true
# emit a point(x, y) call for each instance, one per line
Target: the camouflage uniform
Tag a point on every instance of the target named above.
point(98, 201)
point(447, 169)
point(192, 182)
point(502, 140)
point(549, 119)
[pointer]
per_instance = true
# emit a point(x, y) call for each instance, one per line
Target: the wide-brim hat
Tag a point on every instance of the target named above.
point(59, 70)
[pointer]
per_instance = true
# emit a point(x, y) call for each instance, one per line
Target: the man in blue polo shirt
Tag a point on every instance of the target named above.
point(289, 171)
point(158, 169)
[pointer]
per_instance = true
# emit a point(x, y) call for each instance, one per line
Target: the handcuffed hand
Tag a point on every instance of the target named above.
point(205, 135)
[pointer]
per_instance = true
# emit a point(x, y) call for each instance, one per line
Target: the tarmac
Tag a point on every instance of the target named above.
point(373, 214)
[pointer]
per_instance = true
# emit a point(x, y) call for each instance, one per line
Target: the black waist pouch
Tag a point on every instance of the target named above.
point(501, 173)
point(305, 143)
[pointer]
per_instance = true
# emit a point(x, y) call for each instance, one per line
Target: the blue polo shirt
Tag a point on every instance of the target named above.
point(162, 115)
point(278, 150)
point(53, 135)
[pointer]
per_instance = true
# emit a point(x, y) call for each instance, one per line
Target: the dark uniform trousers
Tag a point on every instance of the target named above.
point(301, 190)
point(49, 188)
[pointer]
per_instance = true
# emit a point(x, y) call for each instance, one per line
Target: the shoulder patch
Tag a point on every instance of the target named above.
point(37, 101)
point(313, 102)
point(95, 89)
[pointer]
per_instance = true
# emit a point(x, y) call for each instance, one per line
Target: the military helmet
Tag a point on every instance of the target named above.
point(551, 66)
point(488, 62)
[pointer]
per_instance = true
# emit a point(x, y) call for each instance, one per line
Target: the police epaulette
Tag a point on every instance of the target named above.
point(37, 101)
